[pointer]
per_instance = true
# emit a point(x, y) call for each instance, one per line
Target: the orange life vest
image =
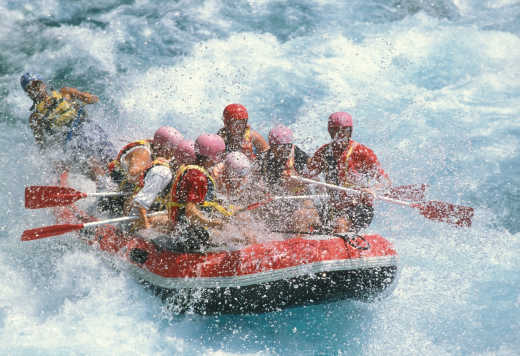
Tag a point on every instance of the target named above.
point(246, 146)
point(343, 168)
point(291, 185)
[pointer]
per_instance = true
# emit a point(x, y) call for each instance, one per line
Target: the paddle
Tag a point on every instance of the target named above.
point(54, 230)
point(282, 197)
point(434, 210)
point(411, 192)
point(40, 196)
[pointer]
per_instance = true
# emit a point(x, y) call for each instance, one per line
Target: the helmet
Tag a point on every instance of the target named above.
point(27, 78)
point(185, 152)
point(340, 119)
point(167, 137)
point(210, 146)
point(234, 112)
point(280, 135)
point(237, 163)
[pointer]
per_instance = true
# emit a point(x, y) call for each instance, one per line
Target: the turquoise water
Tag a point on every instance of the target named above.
point(433, 87)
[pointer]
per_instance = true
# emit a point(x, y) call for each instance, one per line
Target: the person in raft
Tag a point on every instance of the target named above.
point(232, 177)
point(238, 135)
point(192, 204)
point(236, 190)
point(59, 120)
point(131, 164)
point(275, 167)
point(350, 164)
point(154, 181)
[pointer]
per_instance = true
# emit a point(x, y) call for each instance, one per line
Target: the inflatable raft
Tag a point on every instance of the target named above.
point(301, 269)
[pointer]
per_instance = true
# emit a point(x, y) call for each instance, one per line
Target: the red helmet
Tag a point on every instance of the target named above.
point(235, 112)
point(167, 137)
point(210, 146)
point(185, 152)
point(280, 135)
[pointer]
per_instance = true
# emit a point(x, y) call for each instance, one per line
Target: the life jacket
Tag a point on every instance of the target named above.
point(56, 112)
point(176, 207)
point(117, 163)
point(342, 175)
point(343, 168)
point(246, 146)
point(291, 186)
point(163, 196)
point(336, 171)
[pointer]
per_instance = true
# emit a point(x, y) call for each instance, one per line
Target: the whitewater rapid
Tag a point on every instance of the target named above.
point(434, 90)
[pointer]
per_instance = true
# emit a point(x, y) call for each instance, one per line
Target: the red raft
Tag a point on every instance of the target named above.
point(300, 270)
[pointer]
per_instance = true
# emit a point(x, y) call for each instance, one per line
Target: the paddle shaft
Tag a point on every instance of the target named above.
point(350, 190)
point(121, 219)
point(434, 210)
point(106, 194)
point(336, 187)
point(54, 230)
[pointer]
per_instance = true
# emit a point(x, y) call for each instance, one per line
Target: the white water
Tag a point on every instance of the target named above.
point(433, 87)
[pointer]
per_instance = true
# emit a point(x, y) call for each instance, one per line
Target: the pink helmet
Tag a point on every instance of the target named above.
point(280, 135)
point(237, 163)
point(210, 145)
point(185, 152)
point(234, 112)
point(340, 119)
point(167, 137)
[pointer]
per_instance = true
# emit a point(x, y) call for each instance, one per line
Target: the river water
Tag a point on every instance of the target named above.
point(434, 89)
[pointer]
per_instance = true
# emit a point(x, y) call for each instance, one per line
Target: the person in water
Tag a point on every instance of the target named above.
point(275, 167)
point(192, 203)
point(238, 135)
point(350, 164)
point(59, 120)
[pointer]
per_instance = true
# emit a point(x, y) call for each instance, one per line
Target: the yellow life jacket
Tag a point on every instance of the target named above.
point(176, 207)
point(57, 112)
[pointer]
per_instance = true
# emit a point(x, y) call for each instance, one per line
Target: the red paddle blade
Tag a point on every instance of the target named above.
point(449, 213)
point(48, 231)
point(412, 192)
point(37, 197)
